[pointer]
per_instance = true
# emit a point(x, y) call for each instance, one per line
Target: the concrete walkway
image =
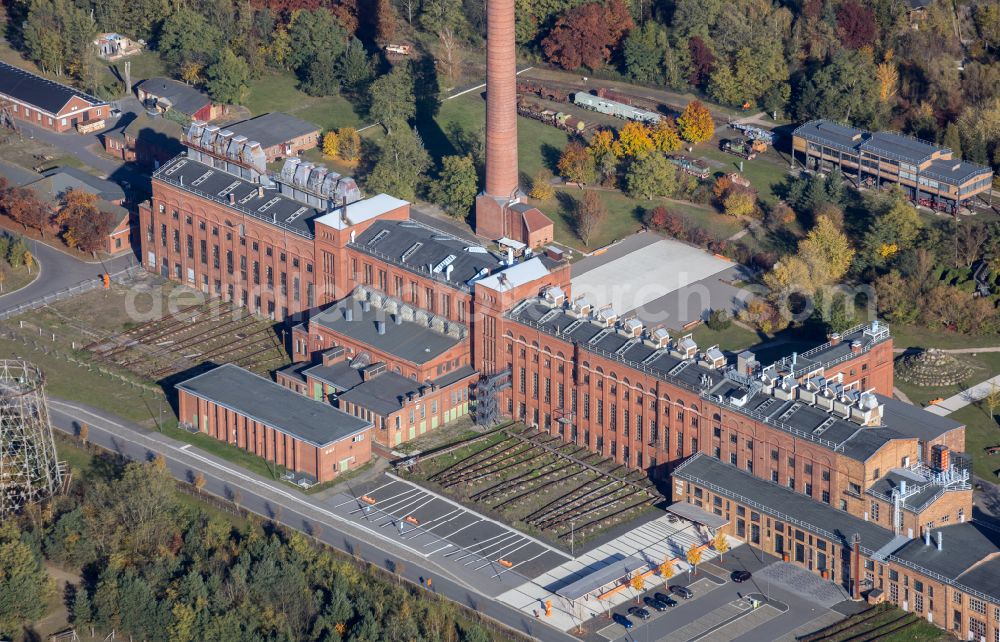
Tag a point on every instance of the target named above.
point(964, 398)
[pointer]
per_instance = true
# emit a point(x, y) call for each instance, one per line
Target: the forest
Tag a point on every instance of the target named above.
point(156, 568)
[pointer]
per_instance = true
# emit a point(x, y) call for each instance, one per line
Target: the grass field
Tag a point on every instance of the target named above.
point(733, 339)
point(883, 622)
point(13, 279)
point(279, 92)
point(980, 430)
point(906, 336)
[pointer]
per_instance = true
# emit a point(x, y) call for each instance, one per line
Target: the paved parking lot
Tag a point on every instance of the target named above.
point(439, 528)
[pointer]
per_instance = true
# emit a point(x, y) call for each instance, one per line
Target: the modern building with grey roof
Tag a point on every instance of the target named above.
point(164, 94)
point(928, 173)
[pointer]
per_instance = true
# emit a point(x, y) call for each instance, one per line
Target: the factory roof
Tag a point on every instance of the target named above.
point(361, 211)
point(15, 175)
point(920, 491)
point(612, 571)
point(274, 405)
point(963, 547)
point(515, 275)
point(341, 375)
point(64, 178)
point(41, 93)
point(164, 130)
point(793, 416)
point(180, 97)
point(387, 392)
point(831, 134)
point(426, 251)
point(914, 421)
point(407, 340)
point(780, 502)
point(273, 128)
point(217, 184)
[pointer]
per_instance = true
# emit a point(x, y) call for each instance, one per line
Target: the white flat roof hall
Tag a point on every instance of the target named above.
point(660, 280)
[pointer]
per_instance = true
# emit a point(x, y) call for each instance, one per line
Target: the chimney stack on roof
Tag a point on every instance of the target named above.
point(939, 537)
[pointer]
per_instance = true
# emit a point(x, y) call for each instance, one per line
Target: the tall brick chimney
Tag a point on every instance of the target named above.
point(501, 122)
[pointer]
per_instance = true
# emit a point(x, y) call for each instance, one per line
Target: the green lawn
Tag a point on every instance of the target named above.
point(15, 278)
point(766, 174)
point(905, 336)
point(279, 92)
point(735, 338)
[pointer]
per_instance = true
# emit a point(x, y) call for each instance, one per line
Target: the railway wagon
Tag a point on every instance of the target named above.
point(614, 108)
point(692, 166)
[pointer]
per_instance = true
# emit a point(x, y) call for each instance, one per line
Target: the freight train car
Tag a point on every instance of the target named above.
point(614, 108)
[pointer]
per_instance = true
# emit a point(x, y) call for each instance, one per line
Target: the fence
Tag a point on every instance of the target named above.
point(83, 286)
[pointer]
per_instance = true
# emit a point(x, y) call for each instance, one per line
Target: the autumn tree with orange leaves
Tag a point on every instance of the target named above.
point(588, 35)
point(83, 224)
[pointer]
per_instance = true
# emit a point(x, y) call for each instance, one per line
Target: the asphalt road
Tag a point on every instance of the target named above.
point(58, 272)
point(279, 503)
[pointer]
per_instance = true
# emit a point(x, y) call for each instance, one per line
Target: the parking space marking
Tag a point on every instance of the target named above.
point(462, 529)
point(431, 521)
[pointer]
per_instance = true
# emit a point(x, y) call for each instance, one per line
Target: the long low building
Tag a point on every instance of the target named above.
point(305, 436)
point(924, 170)
point(45, 103)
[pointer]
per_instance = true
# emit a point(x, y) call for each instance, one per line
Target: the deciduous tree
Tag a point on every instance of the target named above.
point(587, 35)
point(391, 100)
point(651, 177)
point(590, 213)
point(84, 225)
point(665, 137)
point(348, 144)
point(226, 78)
point(856, 24)
point(720, 544)
point(400, 164)
point(456, 186)
point(541, 185)
point(576, 164)
point(695, 123)
point(634, 140)
point(24, 585)
point(187, 38)
point(740, 202)
point(694, 556)
point(331, 145)
point(827, 251)
point(637, 584)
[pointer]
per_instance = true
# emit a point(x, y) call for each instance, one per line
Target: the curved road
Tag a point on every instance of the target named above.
point(58, 272)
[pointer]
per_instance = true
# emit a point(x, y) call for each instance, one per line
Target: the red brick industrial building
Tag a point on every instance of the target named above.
point(260, 416)
point(808, 457)
point(45, 103)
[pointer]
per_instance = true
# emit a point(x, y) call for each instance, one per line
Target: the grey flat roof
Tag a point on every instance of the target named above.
point(212, 182)
point(273, 405)
point(781, 502)
point(901, 147)
point(32, 89)
point(911, 421)
point(614, 571)
point(407, 340)
point(273, 128)
point(962, 546)
point(184, 98)
point(985, 578)
point(340, 375)
point(382, 395)
point(893, 480)
point(831, 134)
point(108, 190)
point(954, 171)
point(391, 240)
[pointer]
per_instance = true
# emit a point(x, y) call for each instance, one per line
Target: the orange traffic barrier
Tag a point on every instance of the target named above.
point(368, 500)
point(934, 402)
point(548, 608)
point(504, 563)
point(411, 519)
point(107, 280)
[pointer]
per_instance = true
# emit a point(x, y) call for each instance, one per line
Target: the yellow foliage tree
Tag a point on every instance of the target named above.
point(740, 202)
point(665, 136)
point(695, 125)
point(541, 186)
point(791, 274)
point(349, 144)
point(330, 144)
point(694, 556)
point(634, 140)
point(666, 570)
point(191, 72)
point(602, 143)
point(888, 80)
point(827, 251)
point(720, 544)
point(637, 584)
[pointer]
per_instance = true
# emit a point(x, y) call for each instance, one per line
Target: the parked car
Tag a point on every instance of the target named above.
point(741, 576)
point(666, 599)
point(639, 612)
point(683, 591)
point(655, 604)
point(621, 619)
